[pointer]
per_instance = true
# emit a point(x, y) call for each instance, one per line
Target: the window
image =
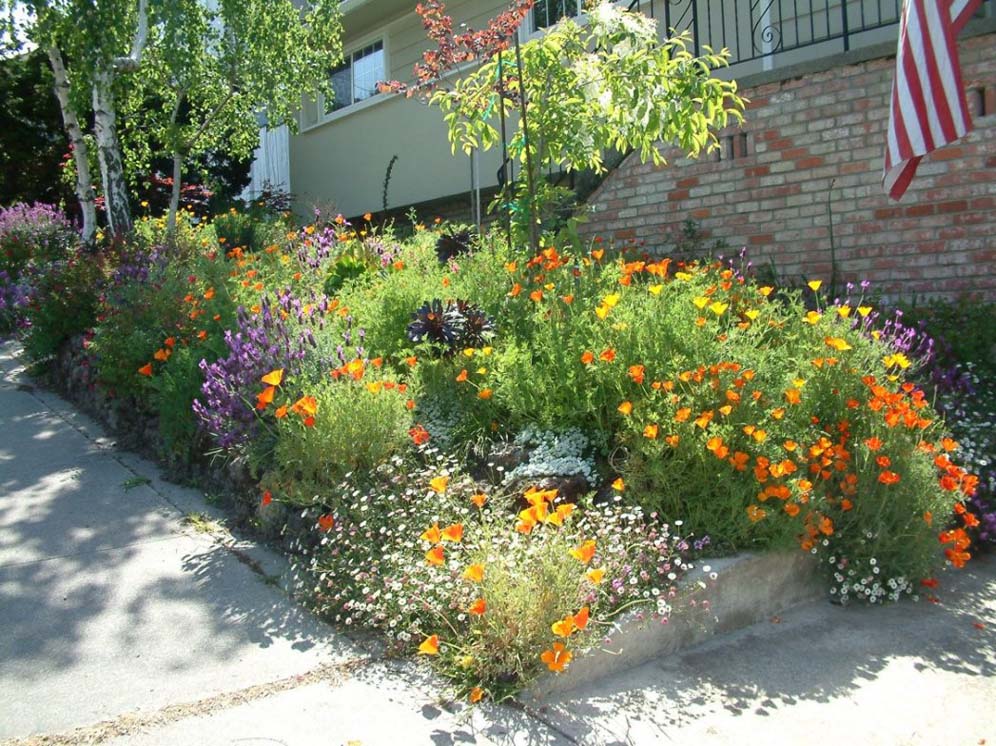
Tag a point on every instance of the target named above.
point(357, 77)
point(548, 12)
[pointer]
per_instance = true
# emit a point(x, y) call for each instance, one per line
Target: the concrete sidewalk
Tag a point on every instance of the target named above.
point(123, 622)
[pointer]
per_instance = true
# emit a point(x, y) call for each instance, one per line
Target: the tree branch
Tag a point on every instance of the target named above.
point(207, 121)
point(134, 58)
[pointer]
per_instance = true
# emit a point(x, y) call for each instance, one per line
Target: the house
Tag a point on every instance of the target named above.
point(818, 73)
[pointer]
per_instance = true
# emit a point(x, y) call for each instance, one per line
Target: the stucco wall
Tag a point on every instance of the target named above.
point(343, 161)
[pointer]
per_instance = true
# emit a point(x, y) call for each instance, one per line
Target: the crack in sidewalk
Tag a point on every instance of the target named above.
point(136, 722)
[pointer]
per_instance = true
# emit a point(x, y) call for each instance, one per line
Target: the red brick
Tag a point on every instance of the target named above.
point(884, 213)
point(807, 163)
point(939, 240)
point(954, 206)
point(761, 238)
point(856, 167)
point(947, 153)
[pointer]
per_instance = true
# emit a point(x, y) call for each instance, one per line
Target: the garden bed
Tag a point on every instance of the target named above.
point(499, 457)
point(740, 591)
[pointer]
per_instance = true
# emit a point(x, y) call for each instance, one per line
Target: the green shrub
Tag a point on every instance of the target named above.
point(356, 426)
point(64, 300)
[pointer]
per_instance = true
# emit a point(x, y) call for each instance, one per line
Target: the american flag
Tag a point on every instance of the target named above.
point(928, 108)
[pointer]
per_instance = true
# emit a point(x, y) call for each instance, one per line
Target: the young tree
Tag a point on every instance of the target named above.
point(194, 73)
point(210, 71)
point(579, 90)
point(102, 39)
point(611, 83)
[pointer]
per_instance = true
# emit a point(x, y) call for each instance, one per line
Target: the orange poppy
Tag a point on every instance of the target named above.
point(626, 408)
point(265, 397)
point(888, 477)
point(305, 406)
point(557, 658)
point(587, 357)
point(596, 576)
point(474, 573)
point(479, 499)
point(432, 534)
point(146, 370)
point(607, 355)
point(581, 618)
point(563, 627)
point(435, 556)
point(651, 431)
point(636, 372)
point(429, 646)
point(439, 484)
point(478, 607)
point(584, 552)
point(618, 485)
point(453, 533)
point(755, 513)
point(326, 522)
point(274, 377)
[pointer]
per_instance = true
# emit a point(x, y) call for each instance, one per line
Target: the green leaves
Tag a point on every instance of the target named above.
point(631, 93)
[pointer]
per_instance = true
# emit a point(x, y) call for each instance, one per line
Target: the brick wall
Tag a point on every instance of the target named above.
point(768, 188)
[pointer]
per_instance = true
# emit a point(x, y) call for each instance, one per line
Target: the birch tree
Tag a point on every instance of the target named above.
point(89, 45)
point(207, 67)
point(214, 69)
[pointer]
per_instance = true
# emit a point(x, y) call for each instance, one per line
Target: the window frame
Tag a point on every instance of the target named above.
point(535, 28)
point(324, 117)
point(365, 50)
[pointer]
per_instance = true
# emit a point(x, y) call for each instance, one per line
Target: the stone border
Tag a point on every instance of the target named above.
point(748, 588)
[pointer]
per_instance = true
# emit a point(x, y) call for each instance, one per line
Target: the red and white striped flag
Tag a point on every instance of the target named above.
point(928, 99)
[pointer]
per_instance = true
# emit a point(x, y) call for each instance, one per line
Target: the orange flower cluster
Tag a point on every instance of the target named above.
point(541, 510)
point(436, 536)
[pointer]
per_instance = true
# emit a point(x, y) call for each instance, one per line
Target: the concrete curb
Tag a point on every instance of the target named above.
point(748, 588)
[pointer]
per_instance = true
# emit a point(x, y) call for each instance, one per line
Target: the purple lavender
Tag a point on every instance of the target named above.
point(281, 335)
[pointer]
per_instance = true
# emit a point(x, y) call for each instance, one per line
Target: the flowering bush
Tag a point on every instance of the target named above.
point(494, 587)
point(439, 451)
point(36, 232)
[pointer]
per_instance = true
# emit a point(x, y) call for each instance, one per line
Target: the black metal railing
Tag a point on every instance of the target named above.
point(752, 29)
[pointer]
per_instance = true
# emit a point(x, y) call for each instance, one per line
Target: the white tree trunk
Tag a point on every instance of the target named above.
point(109, 153)
point(174, 199)
point(81, 156)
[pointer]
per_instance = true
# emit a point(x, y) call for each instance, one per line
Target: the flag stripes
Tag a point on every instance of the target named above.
point(928, 107)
